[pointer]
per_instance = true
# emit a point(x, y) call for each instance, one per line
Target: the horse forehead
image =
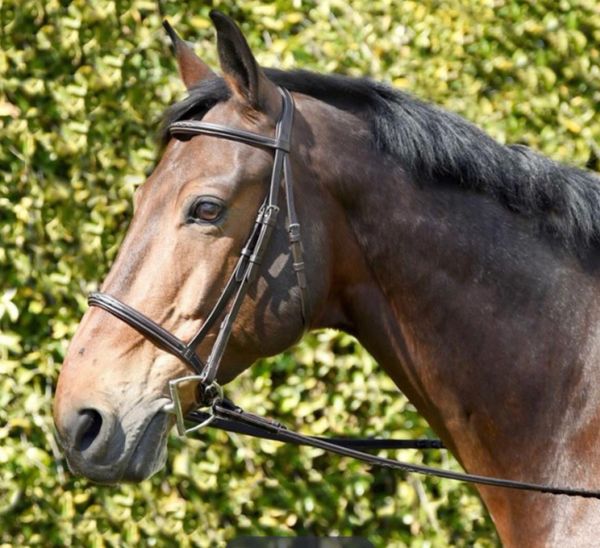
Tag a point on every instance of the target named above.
point(200, 156)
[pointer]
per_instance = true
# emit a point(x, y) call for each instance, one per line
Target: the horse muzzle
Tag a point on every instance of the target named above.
point(106, 447)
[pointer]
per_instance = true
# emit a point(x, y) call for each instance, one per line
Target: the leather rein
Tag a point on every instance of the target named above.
point(222, 413)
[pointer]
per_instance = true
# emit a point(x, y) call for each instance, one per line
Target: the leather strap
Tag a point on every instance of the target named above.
point(233, 425)
point(187, 129)
point(145, 326)
point(262, 427)
point(295, 242)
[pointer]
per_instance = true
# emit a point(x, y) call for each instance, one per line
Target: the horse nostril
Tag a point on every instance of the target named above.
point(88, 427)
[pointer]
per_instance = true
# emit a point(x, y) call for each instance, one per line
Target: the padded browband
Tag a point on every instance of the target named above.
point(189, 128)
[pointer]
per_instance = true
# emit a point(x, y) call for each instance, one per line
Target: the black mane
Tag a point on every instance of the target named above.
point(432, 144)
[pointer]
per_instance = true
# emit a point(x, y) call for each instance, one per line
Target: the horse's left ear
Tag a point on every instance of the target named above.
point(192, 69)
point(240, 69)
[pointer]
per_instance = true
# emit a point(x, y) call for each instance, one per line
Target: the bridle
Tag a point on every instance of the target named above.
point(221, 412)
point(243, 274)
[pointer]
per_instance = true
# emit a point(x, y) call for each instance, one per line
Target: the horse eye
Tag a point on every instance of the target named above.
point(206, 211)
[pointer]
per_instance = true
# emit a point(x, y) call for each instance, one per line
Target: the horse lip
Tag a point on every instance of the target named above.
point(138, 470)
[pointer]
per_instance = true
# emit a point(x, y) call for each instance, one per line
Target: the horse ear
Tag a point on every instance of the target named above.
point(192, 69)
point(240, 69)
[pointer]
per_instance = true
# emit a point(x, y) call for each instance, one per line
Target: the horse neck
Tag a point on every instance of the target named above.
point(487, 328)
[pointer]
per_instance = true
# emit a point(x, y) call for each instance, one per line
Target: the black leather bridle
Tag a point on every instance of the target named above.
point(221, 412)
point(244, 272)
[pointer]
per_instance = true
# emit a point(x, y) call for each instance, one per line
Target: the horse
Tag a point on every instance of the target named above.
point(469, 269)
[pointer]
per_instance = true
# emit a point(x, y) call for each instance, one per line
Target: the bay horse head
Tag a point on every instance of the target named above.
point(192, 218)
point(469, 269)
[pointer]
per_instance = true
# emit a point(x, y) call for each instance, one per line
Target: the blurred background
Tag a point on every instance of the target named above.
point(82, 88)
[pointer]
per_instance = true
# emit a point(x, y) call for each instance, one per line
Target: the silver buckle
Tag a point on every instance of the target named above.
point(175, 407)
point(269, 216)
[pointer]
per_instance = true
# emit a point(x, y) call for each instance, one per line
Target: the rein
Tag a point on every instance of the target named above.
point(234, 419)
point(222, 413)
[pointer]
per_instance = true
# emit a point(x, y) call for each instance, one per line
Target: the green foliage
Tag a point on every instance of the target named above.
point(83, 85)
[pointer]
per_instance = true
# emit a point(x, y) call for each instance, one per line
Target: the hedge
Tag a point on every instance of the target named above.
point(81, 94)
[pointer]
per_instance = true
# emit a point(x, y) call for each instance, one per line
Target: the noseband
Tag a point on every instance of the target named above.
point(245, 271)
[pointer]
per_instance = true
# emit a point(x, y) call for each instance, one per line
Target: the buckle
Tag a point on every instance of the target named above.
point(294, 232)
point(175, 407)
point(269, 216)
